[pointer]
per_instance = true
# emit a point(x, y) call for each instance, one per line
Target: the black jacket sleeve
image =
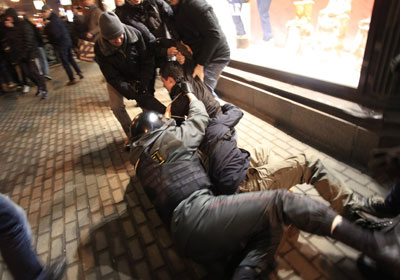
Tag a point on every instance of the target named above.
point(231, 115)
point(112, 75)
point(206, 24)
point(147, 63)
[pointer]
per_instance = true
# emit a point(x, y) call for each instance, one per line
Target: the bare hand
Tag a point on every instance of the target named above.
point(180, 58)
point(199, 71)
point(167, 113)
point(188, 48)
point(171, 51)
point(89, 35)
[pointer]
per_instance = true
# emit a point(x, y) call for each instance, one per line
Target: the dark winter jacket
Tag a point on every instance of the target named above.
point(153, 18)
point(180, 107)
point(21, 38)
point(57, 32)
point(128, 65)
point(227, 164)
point(198, 27)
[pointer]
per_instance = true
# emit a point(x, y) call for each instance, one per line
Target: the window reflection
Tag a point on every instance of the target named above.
point(322, 39)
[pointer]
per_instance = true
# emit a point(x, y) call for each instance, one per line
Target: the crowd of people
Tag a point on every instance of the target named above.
point(218, 200)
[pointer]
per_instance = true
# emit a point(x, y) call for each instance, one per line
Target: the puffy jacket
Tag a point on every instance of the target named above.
point(228, 164)
point(198, 27)
point(22, 38)
point(57, 31)
point(128, 65)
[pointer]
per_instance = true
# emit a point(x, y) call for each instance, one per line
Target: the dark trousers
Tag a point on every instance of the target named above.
point(66, 58)
point(207, 227)
point(30, 69)
point(15, 243)
point(392, 199)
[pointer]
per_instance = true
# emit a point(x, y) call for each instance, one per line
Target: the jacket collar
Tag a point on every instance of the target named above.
point(107, 49)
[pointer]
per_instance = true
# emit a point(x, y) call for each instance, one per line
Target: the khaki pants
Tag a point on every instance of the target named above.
point(267, 173)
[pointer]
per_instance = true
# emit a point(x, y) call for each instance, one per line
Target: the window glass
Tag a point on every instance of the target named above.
point(322, 39)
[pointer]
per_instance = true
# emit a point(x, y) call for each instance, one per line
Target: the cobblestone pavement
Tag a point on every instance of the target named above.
point(62, 160)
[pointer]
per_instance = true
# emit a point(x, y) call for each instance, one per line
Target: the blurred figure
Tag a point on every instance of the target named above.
point(23, 41)
point(16, 246)
point(242, 41)
point(44, 64)
point(58, 35)
point(263, 11)
point(118, 7)
point(91, 14)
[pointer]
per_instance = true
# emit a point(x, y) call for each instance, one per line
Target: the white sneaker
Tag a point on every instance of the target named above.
point(26, 89)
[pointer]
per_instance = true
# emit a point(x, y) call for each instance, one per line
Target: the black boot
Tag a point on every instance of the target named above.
point(246, 273)
point(57, 269)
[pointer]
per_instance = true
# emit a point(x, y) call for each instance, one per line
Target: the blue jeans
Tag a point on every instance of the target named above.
point(67, 59)
point(212, 72)
point(263, 11)
point(15, 243)
point(236, 9)
point(44, 65)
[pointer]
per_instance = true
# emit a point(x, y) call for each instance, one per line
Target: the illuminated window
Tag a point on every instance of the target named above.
point(322, 39)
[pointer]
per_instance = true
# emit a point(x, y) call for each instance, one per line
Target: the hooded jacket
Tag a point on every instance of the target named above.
point(21, 38)
point(129, 68)
point(57, 32)
point(198, 27)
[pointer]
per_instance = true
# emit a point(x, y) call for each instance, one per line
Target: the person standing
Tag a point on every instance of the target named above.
point(198, 27)
point(263, 11)
point(59, 36)
point(25, 45)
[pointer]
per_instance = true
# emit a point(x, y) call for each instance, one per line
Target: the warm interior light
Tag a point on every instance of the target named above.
point(14, 1)
point(38, 4)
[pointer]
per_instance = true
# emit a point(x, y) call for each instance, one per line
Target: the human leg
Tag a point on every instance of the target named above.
point(63, 53)
point(209, 227)
point(72, 61)
point(211, 74)
point(15, 241)
point(263, 11)
point(299, 169)
point(44, 65)
point(117, 105)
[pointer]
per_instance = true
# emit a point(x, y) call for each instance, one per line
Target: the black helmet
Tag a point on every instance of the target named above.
point(144, 123)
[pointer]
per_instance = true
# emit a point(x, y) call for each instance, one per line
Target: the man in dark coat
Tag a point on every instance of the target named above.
point(127, 66)
point(198, 27)
point(58, 35)
point(23, 41)
point(206, 227)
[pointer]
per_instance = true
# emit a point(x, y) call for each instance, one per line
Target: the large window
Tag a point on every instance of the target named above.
point(321, 39)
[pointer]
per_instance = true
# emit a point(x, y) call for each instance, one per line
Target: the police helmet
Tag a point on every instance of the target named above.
point(144, 123)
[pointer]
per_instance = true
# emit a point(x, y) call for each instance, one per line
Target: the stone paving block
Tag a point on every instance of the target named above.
point(42, 245)
point(72, 272)
point(70, 231)
point(57, 227)
point(71, 252)
point(154, 256)
point(146, 234)
point(105, 263)
point(142, 270)
point(301, 265)
point(326, 247)
point(124, 271)
point(135, 249)
point(138, 215)
point(129, 230)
